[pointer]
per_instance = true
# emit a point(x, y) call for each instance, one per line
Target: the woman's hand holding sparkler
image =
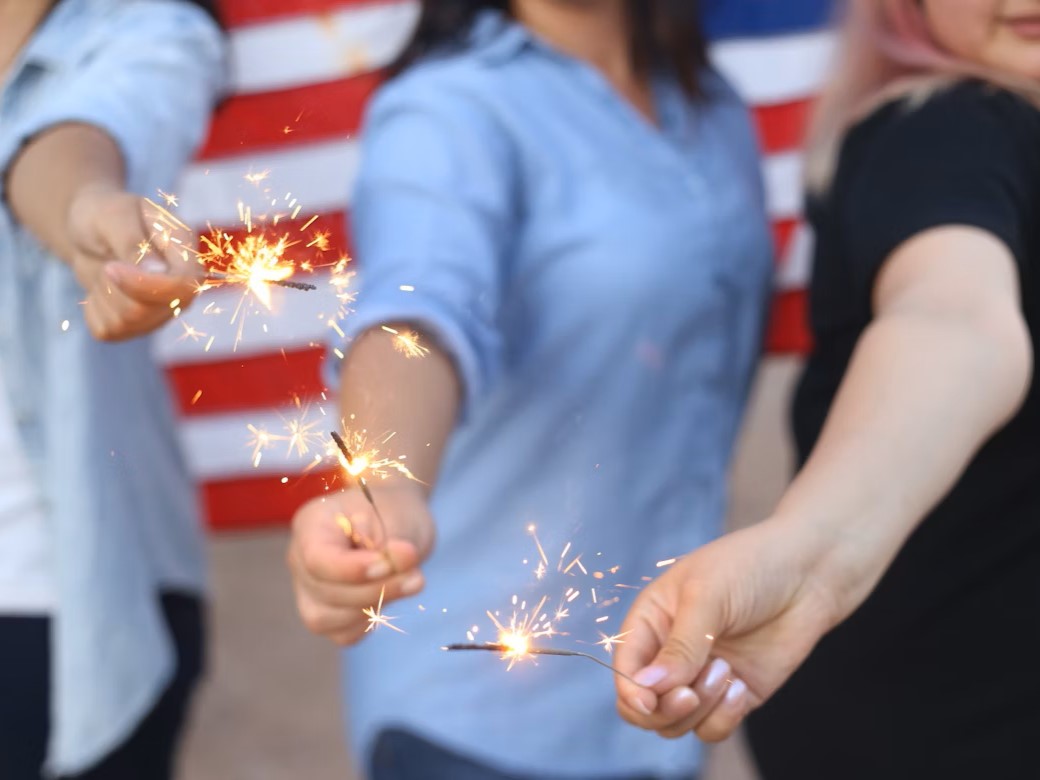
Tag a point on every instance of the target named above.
point(340, 565)
point(350, 551)
point(129, 255)
point(719, 632)
point(137, 266)
point(947, 311)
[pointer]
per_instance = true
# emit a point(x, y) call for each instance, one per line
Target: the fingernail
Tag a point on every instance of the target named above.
point(638, 705)
point(378, 570)
point(413, 584)
point(114, 271)
point(650, 676)
point(716, 673)
point(153, 265)
point(736, 691)
point(685, 695)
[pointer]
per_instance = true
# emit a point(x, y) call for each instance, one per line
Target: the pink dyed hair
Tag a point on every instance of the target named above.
point(886, 51)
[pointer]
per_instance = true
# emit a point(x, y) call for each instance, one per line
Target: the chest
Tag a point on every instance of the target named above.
point(631, 221)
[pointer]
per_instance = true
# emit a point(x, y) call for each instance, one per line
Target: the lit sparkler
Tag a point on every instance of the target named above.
point(221, 276)
point(376, 618)
point(513, 651)
point(356, 469)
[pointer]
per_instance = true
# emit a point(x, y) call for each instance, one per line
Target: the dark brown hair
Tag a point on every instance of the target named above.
point(666, 35)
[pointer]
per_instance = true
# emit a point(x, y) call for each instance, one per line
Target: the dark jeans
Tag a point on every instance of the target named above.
point(25, 696)
point(399, 755)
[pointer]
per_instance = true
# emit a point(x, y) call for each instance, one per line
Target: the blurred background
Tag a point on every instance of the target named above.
point(302, 73)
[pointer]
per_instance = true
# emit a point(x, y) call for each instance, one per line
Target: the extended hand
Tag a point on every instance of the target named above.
point(718, 633)
point(131, 276)
point(336, 577)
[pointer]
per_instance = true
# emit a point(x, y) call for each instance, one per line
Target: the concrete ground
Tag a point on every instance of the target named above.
point(270, 708)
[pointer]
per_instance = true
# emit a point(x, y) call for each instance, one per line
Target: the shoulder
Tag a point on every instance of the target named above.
point(964, 123)
point(456, 88)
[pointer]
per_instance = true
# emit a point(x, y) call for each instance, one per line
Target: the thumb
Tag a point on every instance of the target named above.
point(687, 645)
point(152, 289)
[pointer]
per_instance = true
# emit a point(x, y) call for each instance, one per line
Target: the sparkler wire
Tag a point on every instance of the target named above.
point(499, 648)
point(220, 276)
point(362, 483)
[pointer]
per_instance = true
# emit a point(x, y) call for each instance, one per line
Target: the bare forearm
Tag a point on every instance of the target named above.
point(416, 399)
point(52, 170)
point(921, 395)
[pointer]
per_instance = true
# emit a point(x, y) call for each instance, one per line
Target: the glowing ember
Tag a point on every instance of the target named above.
point(407, 343)
point(365, 460)
point(515, 645)
point(376, 618)
point(608, 642)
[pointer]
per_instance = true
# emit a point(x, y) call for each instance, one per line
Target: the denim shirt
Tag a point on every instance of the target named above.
point(600, 283)
point(96, 419)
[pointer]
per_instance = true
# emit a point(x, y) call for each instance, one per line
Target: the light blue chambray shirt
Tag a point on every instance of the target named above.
point(96, 419)
point(601, 285)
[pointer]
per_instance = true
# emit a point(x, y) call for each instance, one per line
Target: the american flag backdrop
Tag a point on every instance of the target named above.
point(302, 71)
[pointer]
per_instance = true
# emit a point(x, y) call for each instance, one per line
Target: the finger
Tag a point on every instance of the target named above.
point(688, 645)
point(727, 714)
point(118, 230)
point(171, 238)
point(398, 587)
point(329, 553)
point(154, 289)
point(646, 629)
point(710, 687)
point(675, 706)
point(327, 621)
point(632, 710)
point(110, 313)
point(349, 637)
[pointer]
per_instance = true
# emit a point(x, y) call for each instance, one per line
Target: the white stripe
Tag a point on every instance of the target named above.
point(766, 71)
point(318, 175)
point(344, 43)
point(221, 446)
point(321, 176)
point(307, 49)
point(297, 319)
point(796, 267)
point(783, 182)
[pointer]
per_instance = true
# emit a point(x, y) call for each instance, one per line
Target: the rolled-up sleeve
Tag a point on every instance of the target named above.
point(149, 80)
point(432, 220)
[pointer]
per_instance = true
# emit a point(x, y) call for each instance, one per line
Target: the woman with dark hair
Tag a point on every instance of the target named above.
point(563, 200)
point(101, 565)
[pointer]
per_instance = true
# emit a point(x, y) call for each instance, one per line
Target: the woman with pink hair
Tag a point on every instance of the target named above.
point(884, 622)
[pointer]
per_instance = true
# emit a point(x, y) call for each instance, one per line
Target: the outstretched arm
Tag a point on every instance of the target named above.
point(898, 436)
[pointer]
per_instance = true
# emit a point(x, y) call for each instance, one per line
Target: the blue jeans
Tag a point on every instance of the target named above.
point(399, 755)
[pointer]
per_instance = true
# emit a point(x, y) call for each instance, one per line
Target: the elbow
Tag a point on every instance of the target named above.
point(1006, 353)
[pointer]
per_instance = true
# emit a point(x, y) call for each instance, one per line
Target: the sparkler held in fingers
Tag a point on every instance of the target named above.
point(363, 485)
point(514, 652)
point(220, 276)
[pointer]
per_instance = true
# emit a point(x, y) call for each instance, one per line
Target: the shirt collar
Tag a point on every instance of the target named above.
point(497, 38)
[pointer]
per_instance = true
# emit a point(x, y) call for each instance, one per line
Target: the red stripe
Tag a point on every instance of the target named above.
point(782, 127)
point(238, 13)
point(316, 112)
point(248, 503)
point(261, 381)
point(783, 230)
point(789, 324)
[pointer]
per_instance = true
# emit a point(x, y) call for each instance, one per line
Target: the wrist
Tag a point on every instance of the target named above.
point(841, 560)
